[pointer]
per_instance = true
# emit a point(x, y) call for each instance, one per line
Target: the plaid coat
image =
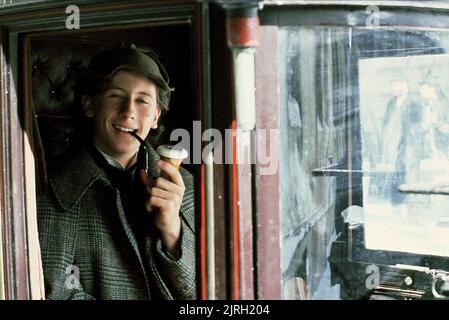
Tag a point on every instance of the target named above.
point(84, 234)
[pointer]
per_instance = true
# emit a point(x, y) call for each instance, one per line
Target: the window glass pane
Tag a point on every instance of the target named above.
point(6, 3)
point(364, 162)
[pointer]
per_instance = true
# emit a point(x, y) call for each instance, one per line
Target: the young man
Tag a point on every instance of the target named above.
point(105, 233)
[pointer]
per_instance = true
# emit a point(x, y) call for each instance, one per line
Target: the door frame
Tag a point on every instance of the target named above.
point(17, 192)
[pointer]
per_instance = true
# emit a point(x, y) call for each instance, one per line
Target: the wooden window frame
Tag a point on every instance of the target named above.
point(18, 23)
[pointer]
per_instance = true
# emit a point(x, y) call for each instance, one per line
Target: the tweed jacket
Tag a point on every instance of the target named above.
point(88, 248)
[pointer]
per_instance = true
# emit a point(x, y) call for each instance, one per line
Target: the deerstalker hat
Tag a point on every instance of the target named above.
point(127, 56)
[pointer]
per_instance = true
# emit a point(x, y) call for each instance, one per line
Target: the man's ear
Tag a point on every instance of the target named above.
point(87, 103)
point(157, 114)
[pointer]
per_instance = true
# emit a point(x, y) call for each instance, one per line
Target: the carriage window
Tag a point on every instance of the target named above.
point(364, 165)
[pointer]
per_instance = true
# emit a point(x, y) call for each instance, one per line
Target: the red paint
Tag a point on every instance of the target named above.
point(242, 31)
point(235, 213)
point(235, 208)
point(268, 219)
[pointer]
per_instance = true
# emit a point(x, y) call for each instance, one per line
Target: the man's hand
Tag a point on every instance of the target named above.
point(166, 193)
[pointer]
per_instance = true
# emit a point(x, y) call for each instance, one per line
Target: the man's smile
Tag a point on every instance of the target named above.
point(124, 129)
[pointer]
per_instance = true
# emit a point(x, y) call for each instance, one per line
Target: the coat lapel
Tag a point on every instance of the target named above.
point(69, 191)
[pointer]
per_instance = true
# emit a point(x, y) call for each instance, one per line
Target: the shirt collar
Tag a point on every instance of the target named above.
point(111, 161)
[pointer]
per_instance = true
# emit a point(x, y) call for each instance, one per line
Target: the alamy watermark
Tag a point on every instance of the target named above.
point(73, 20)
point(260, 146)
point(373, 19)
point(373, 279)
point(72, 280)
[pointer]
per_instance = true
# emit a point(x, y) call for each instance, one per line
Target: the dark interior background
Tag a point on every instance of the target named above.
point(56, 60)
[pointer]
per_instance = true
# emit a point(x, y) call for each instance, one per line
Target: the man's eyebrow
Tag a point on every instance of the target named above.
point(146, 94)
point(115, 88)
point(121, 89)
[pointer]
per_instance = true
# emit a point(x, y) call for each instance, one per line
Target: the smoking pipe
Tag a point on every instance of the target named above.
point(142, 159)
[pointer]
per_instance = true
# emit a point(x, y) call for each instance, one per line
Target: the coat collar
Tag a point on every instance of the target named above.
point(77, 172)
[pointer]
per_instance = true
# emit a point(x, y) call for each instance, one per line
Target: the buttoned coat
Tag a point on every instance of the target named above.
point(84, 234)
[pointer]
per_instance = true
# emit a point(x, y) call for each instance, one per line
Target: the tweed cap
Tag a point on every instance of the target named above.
point(127, 56)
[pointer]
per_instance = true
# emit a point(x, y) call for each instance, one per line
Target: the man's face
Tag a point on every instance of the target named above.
point(129, 103)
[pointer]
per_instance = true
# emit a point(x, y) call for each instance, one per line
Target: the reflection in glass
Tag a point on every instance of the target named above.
point(364, 141)
point(404, 121)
